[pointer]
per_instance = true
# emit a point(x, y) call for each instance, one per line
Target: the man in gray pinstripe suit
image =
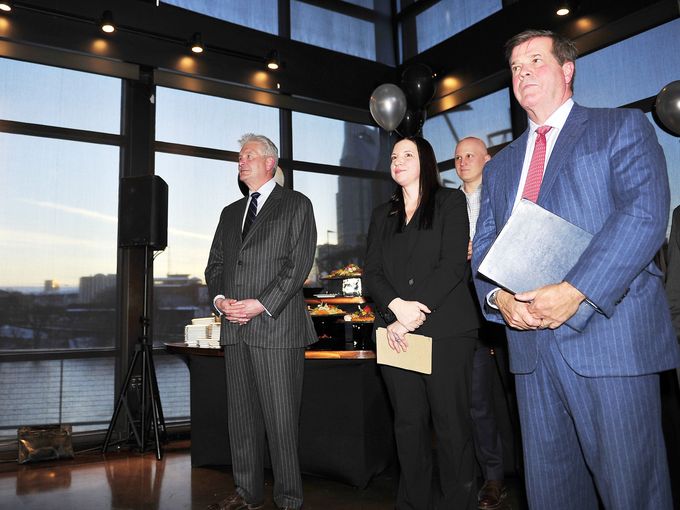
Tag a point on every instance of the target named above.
point(260, 257)
point(587, 384)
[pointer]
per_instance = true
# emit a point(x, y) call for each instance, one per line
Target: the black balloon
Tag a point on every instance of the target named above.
point(668, 106)
point(418, 85)
point(412, 123)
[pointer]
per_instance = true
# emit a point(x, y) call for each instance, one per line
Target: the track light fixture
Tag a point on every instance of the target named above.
point(197, 43)
point(272, 60)
point(564, 7)
point(106, 23)
point(6, 6)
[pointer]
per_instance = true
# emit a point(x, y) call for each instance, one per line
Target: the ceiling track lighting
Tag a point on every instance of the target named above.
point(6, 6)
point(272, 60)
point(197, 43)
point(106, 24)
point(565, 7)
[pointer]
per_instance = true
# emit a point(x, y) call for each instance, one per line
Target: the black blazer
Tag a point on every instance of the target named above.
point(436, 273)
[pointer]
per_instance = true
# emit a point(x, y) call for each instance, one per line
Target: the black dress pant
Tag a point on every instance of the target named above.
point(440, 402)
point(487, 436)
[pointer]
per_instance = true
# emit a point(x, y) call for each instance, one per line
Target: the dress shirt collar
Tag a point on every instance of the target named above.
point(264, 191)
point(557, 119)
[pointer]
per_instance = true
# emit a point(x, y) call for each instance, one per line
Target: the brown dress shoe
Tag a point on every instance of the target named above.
point(234, 502)
point(491, 495)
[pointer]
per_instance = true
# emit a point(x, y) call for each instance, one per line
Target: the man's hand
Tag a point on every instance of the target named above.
point(226, 306)
point(395, 337)
point(516, 313)
point(411, 314)
point(554, 304)
point(239, 312)
point(469, 255)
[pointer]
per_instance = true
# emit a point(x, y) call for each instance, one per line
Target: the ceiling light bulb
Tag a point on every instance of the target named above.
point(6, 6)
point(273, 61)
point(197, 43)
point(107, 23)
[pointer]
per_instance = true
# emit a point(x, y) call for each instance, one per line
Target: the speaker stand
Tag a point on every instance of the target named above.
point(150, 417)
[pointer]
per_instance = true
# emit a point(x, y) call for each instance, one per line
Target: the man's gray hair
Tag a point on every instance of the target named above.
point(268, 147)
point(563, 49)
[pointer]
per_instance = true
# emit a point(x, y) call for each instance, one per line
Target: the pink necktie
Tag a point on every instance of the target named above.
point(535, 174)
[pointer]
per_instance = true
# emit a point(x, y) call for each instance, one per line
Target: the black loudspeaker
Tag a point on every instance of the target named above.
point(143, 212)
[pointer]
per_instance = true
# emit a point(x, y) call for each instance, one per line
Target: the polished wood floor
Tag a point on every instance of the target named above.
point(133, 481)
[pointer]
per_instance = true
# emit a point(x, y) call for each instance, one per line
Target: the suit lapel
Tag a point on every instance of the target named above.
point(267, 210)
point(566, 141)
point(517, 150)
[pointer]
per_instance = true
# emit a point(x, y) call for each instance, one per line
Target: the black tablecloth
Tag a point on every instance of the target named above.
point(345, 423)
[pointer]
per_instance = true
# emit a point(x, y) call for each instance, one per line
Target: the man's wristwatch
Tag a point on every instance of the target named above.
point(492, 298)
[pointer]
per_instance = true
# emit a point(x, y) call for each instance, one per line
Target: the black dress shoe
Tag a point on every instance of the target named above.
point(235, 502)
point(491, 495)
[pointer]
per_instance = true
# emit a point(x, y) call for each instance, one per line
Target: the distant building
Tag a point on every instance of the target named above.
point(91, 287)
point(177, 299)
point(51, 286)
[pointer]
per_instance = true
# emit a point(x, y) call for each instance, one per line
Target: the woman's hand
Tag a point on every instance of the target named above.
point(395, 337)
point(411, 314)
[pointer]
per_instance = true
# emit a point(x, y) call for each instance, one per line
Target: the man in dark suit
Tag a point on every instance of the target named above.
point(469, 158)
point(673, 273)
point(261, 255)
point(673, 270)
point(588, 395)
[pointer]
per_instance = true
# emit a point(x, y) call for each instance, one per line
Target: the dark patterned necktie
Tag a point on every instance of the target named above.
point(250, 215)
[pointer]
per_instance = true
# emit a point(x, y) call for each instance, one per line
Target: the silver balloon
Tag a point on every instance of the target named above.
point(668, 106)
point(388, 106)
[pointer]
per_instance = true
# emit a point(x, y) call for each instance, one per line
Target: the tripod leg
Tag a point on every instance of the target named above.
point(143, 407)
point(122, 396)
point(155, 404)
point(157, 396)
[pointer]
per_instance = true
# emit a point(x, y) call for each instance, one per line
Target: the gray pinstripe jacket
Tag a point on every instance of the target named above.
point(270, 264)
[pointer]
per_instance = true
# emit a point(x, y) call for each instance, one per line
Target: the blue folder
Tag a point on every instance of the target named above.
point(536, 248)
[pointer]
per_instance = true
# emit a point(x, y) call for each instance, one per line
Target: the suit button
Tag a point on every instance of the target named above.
point(410, 281)
point(240, 263)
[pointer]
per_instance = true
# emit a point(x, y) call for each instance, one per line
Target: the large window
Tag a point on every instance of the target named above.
point(198, 189)
point(58, 247)
point(332, 30)
point(334, 142)
point(342, 210)
point(633, 69)
point(258, 14)
point(342, 203)
point(487, 118)
point(58, 203)
point(206, 121)
point(74, 391)
point(448, 17)
point(47, 95)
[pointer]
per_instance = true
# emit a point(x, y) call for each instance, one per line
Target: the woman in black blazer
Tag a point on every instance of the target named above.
point(416, 271)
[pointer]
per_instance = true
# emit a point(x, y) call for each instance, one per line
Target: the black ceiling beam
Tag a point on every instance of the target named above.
point(414, 8)
point(346, 8)
point(154, 36)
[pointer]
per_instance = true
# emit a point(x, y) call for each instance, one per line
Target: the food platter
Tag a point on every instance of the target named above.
point(349, 271)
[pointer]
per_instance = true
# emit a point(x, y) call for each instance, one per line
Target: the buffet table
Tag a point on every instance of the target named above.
point(345, 422)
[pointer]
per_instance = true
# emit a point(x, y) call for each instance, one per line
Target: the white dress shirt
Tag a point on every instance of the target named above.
point(556, 121)
point(264, 191)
